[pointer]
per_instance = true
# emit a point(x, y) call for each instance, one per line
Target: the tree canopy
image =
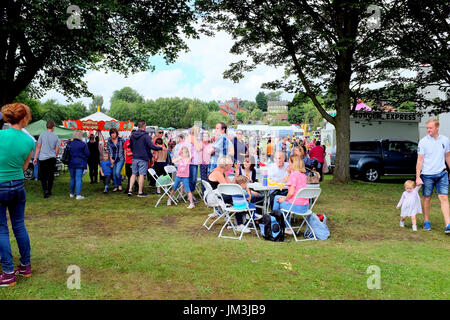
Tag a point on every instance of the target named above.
point(340, 46)
point(127, 94)
point(261, 101)
point(40, 46)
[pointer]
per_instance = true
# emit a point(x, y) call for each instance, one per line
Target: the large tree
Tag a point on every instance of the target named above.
point(127, 94)
point(261, 101)
point(43, 45)
point(97, 101)
point(340, 46)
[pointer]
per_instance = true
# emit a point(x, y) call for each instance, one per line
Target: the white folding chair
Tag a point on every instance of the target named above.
point(166, 187)
point(234, 190)
point(198, 187)
point(217, 213)
point(171, 171)
point(308, 193)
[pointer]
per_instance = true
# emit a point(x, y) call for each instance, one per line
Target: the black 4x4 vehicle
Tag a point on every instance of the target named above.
point(372, 159)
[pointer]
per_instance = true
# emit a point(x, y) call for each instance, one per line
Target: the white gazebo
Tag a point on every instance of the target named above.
point(100, 116)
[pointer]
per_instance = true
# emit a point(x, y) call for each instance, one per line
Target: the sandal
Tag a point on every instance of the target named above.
point(115, 190)
point(120, 188)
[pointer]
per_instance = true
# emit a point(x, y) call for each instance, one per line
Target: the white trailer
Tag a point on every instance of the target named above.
point(371, 125)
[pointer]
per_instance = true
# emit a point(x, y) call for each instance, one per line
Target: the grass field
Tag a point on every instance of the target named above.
point(127, 249)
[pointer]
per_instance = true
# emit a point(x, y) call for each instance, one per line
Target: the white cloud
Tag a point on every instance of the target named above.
point(208, 56)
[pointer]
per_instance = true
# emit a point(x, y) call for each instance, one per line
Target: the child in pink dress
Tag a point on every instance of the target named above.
point(410, 204)
point(183, 175)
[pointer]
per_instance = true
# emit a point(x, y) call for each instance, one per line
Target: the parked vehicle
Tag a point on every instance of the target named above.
point(29, 173)
point(370, 160)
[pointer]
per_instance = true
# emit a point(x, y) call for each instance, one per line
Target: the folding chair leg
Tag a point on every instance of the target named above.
point(166, 192)
point(210, 226)
point(229, 221)
point(253, 223)
point(311, 231)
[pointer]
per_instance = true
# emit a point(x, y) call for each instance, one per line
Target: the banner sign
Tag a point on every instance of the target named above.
point(90, 125)
point(385, 116)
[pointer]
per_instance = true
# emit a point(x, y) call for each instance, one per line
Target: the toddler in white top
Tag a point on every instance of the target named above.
point(410, 204)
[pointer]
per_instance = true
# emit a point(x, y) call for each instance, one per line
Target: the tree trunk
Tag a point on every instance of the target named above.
point(341, 174)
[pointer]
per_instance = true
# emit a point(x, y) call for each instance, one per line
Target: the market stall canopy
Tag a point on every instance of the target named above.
point(39, 127)
point(98, 121)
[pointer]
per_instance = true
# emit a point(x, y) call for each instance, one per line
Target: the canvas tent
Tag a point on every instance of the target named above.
point(38, 127)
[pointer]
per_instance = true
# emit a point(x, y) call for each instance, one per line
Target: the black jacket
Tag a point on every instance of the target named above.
point(141, 145)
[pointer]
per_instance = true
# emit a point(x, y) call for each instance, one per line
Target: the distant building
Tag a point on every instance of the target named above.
point(230, 107)
point(277, 106)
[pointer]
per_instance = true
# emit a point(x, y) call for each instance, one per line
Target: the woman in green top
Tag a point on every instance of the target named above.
point(15, 153)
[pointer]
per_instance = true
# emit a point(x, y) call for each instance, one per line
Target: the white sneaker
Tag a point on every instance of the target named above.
point(242, 228)
point(402, 224)
point(288, 231)
point(191, 206)
point(72, 195)
point(79, 198)
point(169, 202)
point(414, 228)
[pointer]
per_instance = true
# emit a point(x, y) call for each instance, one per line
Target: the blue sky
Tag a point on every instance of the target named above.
point(196, 74)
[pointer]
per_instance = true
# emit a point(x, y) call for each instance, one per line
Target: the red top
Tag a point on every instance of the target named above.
point(126, 148)
point(317, 152)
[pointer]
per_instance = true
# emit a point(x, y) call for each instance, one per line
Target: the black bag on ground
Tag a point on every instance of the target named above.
point(272, 226)
point(65, 158)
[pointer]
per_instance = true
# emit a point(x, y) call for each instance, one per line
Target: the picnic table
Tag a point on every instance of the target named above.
point(265, 190)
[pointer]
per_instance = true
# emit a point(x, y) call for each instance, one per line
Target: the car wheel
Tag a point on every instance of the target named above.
point(372, 174)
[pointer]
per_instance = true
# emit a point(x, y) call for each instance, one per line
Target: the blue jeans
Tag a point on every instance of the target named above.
point(204, 174)
point(286, 206)
point(36, 170)
point(76, 179)
point(13, 197)
point(193, 174)
point(117, 178)
point(184, 181)
point(440, 180)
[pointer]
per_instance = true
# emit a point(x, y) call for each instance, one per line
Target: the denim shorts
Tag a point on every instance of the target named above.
point(139, 167)
point(185, 182)
point(440, 180)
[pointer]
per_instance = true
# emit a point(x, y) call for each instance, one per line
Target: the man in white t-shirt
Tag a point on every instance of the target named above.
point(277, 172)
point(432, 154)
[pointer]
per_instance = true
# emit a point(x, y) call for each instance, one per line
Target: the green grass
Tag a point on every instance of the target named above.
point(127, 249)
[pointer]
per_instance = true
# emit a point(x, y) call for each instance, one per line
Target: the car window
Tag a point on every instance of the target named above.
point(394, 146)
point(410, 147)
point(363, 146)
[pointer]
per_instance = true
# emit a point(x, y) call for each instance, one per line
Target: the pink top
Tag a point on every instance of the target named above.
point(297, 179)
point(206, 153)
point(183, 168)
point(196, 155)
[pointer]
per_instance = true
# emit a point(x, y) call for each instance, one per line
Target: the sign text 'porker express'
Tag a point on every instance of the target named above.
point(385, 116)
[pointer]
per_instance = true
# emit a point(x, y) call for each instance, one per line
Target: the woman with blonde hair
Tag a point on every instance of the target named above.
point(79, 153)
point(16, 148)
point(220, 173)
point(296, 181)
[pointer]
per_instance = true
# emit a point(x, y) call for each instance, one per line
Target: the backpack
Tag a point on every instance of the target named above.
point(272, 226)
point(65, 158)
point(320, 227)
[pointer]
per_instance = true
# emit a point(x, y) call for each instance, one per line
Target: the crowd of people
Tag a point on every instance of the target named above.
point(193, 154)
point(217, 157)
